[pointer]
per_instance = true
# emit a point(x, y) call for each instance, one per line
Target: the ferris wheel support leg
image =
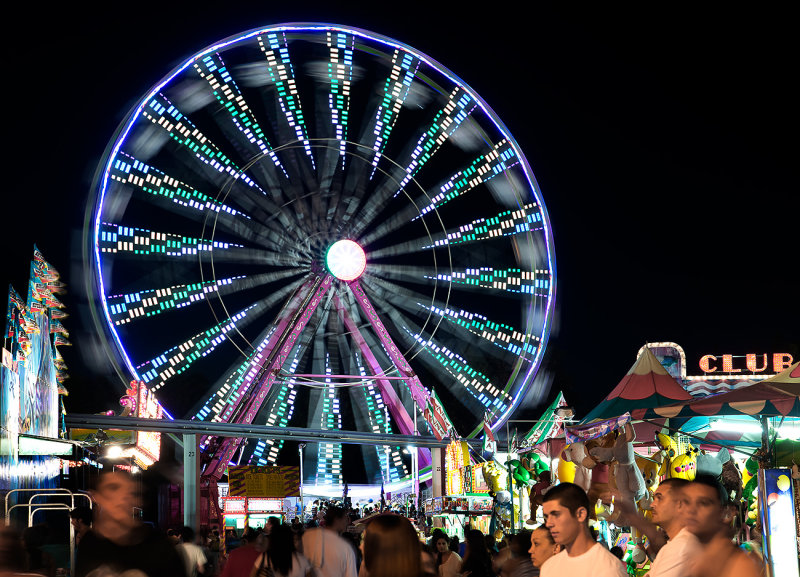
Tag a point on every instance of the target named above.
point(428, 404)
point(275, 357)
point(399, 413)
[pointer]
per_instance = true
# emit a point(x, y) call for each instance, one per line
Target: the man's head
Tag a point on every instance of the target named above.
point(566, 510)
point(667, 502)
point(706, 509)
point(81, 518)
point(336, 519)
point(116, 495)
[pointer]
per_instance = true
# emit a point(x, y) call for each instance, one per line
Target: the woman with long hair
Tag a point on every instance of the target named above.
point(281, 557)
point(448, 563)
point(477, 560)
point(391, 548)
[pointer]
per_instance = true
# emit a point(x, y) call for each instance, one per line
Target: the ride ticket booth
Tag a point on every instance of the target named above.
point(257, 493)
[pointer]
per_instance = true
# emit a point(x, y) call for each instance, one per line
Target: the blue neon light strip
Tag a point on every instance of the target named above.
point(212, 69)
point(340, 72)
point(512, 280)
point(281, 73)
point(147, 303)
point(128, 170)
point(179, 358)
point(116, 238)
point(500, 335)
point(459, 105)
point(395, 91)
point(481, 170)
point(164, 114)
point(475, 383)
point(526, 219)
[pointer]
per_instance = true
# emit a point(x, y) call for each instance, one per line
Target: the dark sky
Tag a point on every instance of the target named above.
point(665, 145)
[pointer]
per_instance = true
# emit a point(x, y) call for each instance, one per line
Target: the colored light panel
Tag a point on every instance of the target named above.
point(128, 170)
point(526, 219)
point(512, 280)
point(481, 170)
point(212, 69)
point(148, 303)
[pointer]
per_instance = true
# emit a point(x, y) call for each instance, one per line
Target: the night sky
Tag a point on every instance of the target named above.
point(665, 146)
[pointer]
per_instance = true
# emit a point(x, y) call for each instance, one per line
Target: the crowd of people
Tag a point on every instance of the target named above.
point(687, 536)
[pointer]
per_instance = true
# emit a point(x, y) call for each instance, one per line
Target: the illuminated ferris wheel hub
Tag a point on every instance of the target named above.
point(346, 260)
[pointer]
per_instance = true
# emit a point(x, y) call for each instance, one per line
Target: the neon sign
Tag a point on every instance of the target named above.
point(753, 363)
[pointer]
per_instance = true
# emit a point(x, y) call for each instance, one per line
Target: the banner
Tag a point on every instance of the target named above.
point(595, 430)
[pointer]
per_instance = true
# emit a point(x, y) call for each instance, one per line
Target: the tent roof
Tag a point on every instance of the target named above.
point(788, 381)
point(647, 385)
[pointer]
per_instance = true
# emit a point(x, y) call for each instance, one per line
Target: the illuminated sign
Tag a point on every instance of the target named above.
point(148, 443)
point(42, 446)
point(259, 505)
point(455, 459)
point(235, 505)
point(753, 363)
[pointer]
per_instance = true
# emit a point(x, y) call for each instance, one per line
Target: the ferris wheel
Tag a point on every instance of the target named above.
point(315, 226)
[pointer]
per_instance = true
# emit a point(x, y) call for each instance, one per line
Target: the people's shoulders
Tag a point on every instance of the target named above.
point(600, 559)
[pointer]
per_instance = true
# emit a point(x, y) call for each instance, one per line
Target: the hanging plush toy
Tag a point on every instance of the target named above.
point(630, 483)
point(576, 454)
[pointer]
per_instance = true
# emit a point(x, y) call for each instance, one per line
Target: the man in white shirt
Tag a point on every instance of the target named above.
point(674, 559)
point(331, 555)
point(566, 512)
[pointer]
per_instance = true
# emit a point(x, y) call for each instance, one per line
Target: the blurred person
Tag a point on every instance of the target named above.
point(428, 560)
point(240, 560)
point(328, 553)
point(448, 563)
point(477, 561)
point(566, 510)
point(12, 553)
point(118, 540)
point(193, 557)
point(708, 514)
point(542, 546)
point(519, 563)
point(391, 548)
point(81, 520)
point(281, 558)
point(37, 561)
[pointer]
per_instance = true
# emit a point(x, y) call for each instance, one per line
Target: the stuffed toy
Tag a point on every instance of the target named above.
point(628, 478)
point(576, 454)
point(708, 464)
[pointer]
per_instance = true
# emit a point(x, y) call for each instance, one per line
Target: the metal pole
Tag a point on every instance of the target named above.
point(300, 448)
point(190, 485)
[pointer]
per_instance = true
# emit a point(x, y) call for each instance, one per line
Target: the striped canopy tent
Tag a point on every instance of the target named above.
point(647, 385)
point(776, 396)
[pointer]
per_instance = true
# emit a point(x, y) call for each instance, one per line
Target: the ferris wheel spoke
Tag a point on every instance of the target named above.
point(212, 69)
point(141, 176)
point(503, 336)
point(281, 73)
point(510, 280)
point(474, 382)
point(501, 158)
point(171, 362)
point(406, 273)
point(120, 239)
point(444, 124)
point(340, 74)
point(162, 113)
point(395, 91)
point(125, 308)
point(526, 219)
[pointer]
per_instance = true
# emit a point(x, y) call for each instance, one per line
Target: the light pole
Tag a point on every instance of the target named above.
point(302, 505)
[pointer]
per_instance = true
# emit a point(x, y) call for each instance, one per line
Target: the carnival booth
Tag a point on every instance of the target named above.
point(466, 503)
point(257, 493)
